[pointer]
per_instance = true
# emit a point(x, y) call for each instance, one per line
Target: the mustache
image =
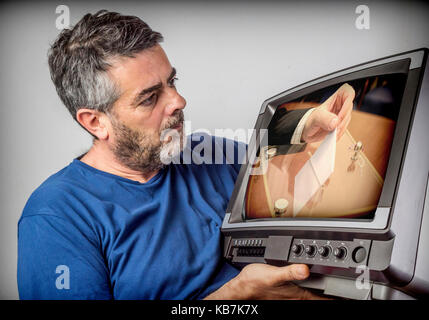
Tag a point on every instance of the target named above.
point(175, 120)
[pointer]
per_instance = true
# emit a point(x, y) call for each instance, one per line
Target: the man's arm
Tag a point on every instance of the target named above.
point(58, 260)
point(262, 281)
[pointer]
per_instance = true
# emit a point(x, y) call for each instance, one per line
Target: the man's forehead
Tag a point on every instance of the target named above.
point(145, 69)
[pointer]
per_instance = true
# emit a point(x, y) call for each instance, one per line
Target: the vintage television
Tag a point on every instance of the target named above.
point(355, 210)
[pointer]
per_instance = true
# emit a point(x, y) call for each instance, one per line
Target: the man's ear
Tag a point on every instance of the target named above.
point(95, 122)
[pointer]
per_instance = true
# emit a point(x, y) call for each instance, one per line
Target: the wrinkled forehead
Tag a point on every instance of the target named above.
point(145, 69)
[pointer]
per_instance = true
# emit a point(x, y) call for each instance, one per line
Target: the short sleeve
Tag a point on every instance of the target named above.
point(57, 260)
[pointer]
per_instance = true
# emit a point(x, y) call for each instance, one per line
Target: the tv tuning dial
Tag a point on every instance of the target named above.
point(324, 251)
point(340, 252)
point(298, 249)
point(310, 250)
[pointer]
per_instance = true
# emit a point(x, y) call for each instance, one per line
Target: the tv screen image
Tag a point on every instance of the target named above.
point(329, 178)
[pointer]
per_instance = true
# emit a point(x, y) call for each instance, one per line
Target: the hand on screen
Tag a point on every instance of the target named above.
point(262, 281)
point(335, 112)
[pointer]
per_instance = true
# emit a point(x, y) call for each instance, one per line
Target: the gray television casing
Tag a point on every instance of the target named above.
point(387, 257)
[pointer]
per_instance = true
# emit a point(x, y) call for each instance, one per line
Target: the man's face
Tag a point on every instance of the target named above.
point(148, 105)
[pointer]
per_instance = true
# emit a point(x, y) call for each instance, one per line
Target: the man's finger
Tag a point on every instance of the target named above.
point(291, 273)
point(325, 120)
point(347, 107)
point(348, 95)
point(343, 126)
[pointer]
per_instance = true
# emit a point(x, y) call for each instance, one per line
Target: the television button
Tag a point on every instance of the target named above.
point(297, 249)
point(340, 252)
point(359, 254)
point(310, 250)
point(324, 251)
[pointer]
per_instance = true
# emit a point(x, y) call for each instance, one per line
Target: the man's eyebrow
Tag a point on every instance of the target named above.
point(172, 74)
point(158, 86)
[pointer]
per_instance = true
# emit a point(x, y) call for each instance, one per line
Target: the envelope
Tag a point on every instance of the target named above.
point(315, 172)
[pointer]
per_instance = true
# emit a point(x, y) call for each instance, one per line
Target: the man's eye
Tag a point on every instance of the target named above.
point(149, 101)
point(172, 82)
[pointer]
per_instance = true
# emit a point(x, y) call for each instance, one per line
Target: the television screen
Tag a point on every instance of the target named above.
point(331, 178)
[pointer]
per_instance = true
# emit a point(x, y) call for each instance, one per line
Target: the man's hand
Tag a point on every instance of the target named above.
point(263, 281)
point(336, 112)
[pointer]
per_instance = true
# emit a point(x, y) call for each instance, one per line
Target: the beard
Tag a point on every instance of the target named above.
point(147, 152)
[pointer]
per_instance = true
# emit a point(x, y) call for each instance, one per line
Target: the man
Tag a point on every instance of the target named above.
point(117, 223)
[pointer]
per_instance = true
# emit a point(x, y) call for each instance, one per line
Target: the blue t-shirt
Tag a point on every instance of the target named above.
point(89, 234)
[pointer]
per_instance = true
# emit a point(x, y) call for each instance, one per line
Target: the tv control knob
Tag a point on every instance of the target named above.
point(359, 254)
point(310, 250)
point(324, 251)
point(340, 252)
point(298, 249)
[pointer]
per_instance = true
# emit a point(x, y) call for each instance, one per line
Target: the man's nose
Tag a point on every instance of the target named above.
point(175, 101)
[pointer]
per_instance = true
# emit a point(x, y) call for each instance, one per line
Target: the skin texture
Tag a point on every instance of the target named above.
point(128, 145)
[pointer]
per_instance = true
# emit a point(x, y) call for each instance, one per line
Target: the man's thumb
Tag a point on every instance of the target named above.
point(326, 120)
point(296, 272)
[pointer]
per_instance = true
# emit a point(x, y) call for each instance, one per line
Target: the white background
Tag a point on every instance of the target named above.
point(230, 57)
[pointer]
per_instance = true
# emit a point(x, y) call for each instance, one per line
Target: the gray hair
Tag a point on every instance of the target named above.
point(80, 58)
